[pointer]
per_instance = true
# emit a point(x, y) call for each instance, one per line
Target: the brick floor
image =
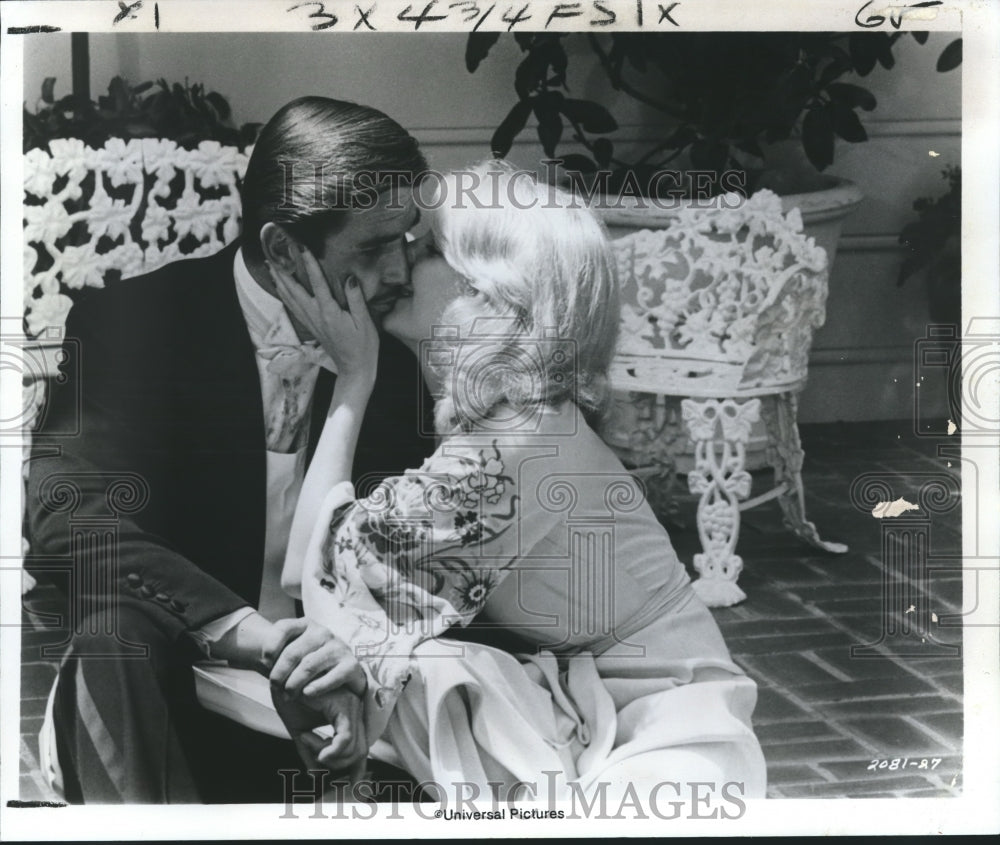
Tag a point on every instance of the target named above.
point(828, 719)
point(831, 723)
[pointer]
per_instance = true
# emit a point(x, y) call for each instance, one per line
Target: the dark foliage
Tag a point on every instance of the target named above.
point(722, 95)
point(187, 114)
point(933, 244)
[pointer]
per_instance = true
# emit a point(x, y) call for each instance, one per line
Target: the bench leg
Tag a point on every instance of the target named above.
point(785, 455)
point(720, 431)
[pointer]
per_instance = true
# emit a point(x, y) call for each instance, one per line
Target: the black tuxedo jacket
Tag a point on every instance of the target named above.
point(167, 389)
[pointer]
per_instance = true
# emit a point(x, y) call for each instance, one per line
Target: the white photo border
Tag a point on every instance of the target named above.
point(976, 810)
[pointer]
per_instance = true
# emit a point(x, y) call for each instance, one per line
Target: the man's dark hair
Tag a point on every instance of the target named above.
point(319, 141)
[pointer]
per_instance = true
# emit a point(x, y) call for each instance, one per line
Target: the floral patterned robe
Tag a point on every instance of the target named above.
point(545, 535)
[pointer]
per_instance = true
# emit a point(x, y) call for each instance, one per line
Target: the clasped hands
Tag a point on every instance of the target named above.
point(315, 680)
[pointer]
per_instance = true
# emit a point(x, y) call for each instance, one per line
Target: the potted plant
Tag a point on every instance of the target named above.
point(187, 114)
point(745, 110)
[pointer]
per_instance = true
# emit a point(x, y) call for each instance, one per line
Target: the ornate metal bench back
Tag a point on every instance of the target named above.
point(722, 301)
point(121, 210)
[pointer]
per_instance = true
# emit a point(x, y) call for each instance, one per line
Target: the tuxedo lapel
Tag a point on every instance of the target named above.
point(218, 423)
point(214, 361)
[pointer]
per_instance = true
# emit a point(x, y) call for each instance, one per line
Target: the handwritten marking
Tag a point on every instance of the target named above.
point(665, 13)
point(896, 14)
point(482, 20)
point(127, 10)
point(470, 9)
point(904, 763)
point(520, 17)
point(321, 12)
point(363, 18)
point(572, 10)
point(606, 21)
point(471, 12)
point(423, 17)
point(884, 510)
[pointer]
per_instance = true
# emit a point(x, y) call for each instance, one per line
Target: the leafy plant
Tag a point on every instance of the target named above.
point(934, 245)
point(722, 95)
point(187, 114)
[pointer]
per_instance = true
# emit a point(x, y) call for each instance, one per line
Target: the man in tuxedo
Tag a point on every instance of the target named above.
point(201, 397)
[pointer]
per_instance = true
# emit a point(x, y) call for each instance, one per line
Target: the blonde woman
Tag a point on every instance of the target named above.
point(522, 524)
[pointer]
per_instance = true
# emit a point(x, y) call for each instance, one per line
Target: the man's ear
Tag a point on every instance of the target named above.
point(279, 248)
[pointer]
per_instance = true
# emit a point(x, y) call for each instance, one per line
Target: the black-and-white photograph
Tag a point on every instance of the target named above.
point(499, 416)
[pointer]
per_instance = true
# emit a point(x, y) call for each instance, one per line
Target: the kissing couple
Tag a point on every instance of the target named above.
point(370, 437)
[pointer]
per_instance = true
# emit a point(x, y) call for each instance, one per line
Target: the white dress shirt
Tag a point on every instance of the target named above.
point(288, 371)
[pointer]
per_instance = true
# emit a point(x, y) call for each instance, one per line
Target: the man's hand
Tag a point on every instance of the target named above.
point(315, 680)
point(298, 655)
point(341, 709)
point(314, 662)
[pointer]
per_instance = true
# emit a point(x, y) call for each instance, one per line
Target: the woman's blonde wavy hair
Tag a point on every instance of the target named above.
point(540, 322)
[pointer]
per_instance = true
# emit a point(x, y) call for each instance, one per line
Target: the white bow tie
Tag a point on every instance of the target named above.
point(287, 356)
point(291, 360)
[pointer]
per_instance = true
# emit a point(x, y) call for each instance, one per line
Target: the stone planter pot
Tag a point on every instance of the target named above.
point(824, 211)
